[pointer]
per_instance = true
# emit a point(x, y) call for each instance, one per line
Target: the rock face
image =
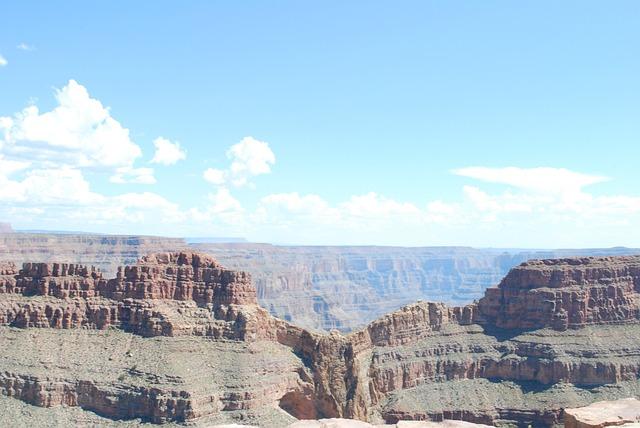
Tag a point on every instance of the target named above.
point(5, 228)
point(315, 287)
point(177, 337)
point(604, 414)
point(351, 423)
point(193, 286)
point(565, 293)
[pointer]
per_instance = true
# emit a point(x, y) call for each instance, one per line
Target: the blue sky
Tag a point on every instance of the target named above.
point(365, 120)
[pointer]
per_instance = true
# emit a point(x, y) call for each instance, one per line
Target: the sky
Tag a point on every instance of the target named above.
point(417, 123)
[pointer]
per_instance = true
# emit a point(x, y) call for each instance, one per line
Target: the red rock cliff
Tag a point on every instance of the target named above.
point(564, 293)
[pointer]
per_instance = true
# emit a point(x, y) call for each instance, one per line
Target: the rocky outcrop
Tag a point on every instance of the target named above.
point(350, 423)
point(5, 228)
point(565, 293)
point(165, 294)
point(603, 414)
point(177, 337)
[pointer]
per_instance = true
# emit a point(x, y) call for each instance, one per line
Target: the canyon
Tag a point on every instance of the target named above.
point(177, 338)
point(316, 287)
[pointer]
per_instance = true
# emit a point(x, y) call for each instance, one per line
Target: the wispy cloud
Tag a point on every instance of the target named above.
point(541, 179)
point(3, 61)
point(25, 47)
point(128, 174)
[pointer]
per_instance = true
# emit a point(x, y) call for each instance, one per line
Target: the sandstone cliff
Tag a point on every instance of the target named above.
point(177, 337)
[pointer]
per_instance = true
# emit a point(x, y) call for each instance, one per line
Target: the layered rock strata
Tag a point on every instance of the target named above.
point(565, 293)
point(177, 337)
point(165, 294)
point(317, 287)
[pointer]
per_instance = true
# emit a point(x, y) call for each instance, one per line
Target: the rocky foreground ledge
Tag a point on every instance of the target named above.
point(177, 339)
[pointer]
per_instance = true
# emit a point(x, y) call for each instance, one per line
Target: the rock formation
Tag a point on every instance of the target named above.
point(345, 288)
point(565, 293)
point(177, 337)
point(604, 414)
point(315, 287)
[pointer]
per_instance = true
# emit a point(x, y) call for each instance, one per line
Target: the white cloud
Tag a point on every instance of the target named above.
point(249, 158)
point(25, 47)
point(372, 205)
point(293, 207)
point(8, 167)
point(443, 212)
point(310, 215)
point(140, 208)
point(543, 198)
point(79, 132)
point(540, 180)
point(128, 174)
point(215, 176)
point(531, 211)
point(370, 218)
point(60, 186)
point(63, 197)
point(167, 153)
point(223, 202)
point(505, 202)
point(3, 61)
point(222, 210)
point(42, 158)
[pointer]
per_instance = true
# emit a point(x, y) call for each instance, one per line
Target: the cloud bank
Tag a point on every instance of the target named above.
point(51, 163)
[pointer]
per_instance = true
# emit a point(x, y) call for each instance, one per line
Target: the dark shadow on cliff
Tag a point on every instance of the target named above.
point(504, 335)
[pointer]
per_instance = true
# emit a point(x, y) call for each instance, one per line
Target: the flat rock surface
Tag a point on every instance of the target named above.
point(603, 414)
point(504, 401)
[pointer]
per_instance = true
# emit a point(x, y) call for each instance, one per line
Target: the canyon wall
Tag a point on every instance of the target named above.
point(316, 287)
point(347, 287)
point(177, 337)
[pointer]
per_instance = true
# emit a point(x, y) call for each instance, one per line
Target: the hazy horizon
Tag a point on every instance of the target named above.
point(242, 240)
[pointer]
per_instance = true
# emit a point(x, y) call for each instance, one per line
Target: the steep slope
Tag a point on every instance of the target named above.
point(178, 338)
